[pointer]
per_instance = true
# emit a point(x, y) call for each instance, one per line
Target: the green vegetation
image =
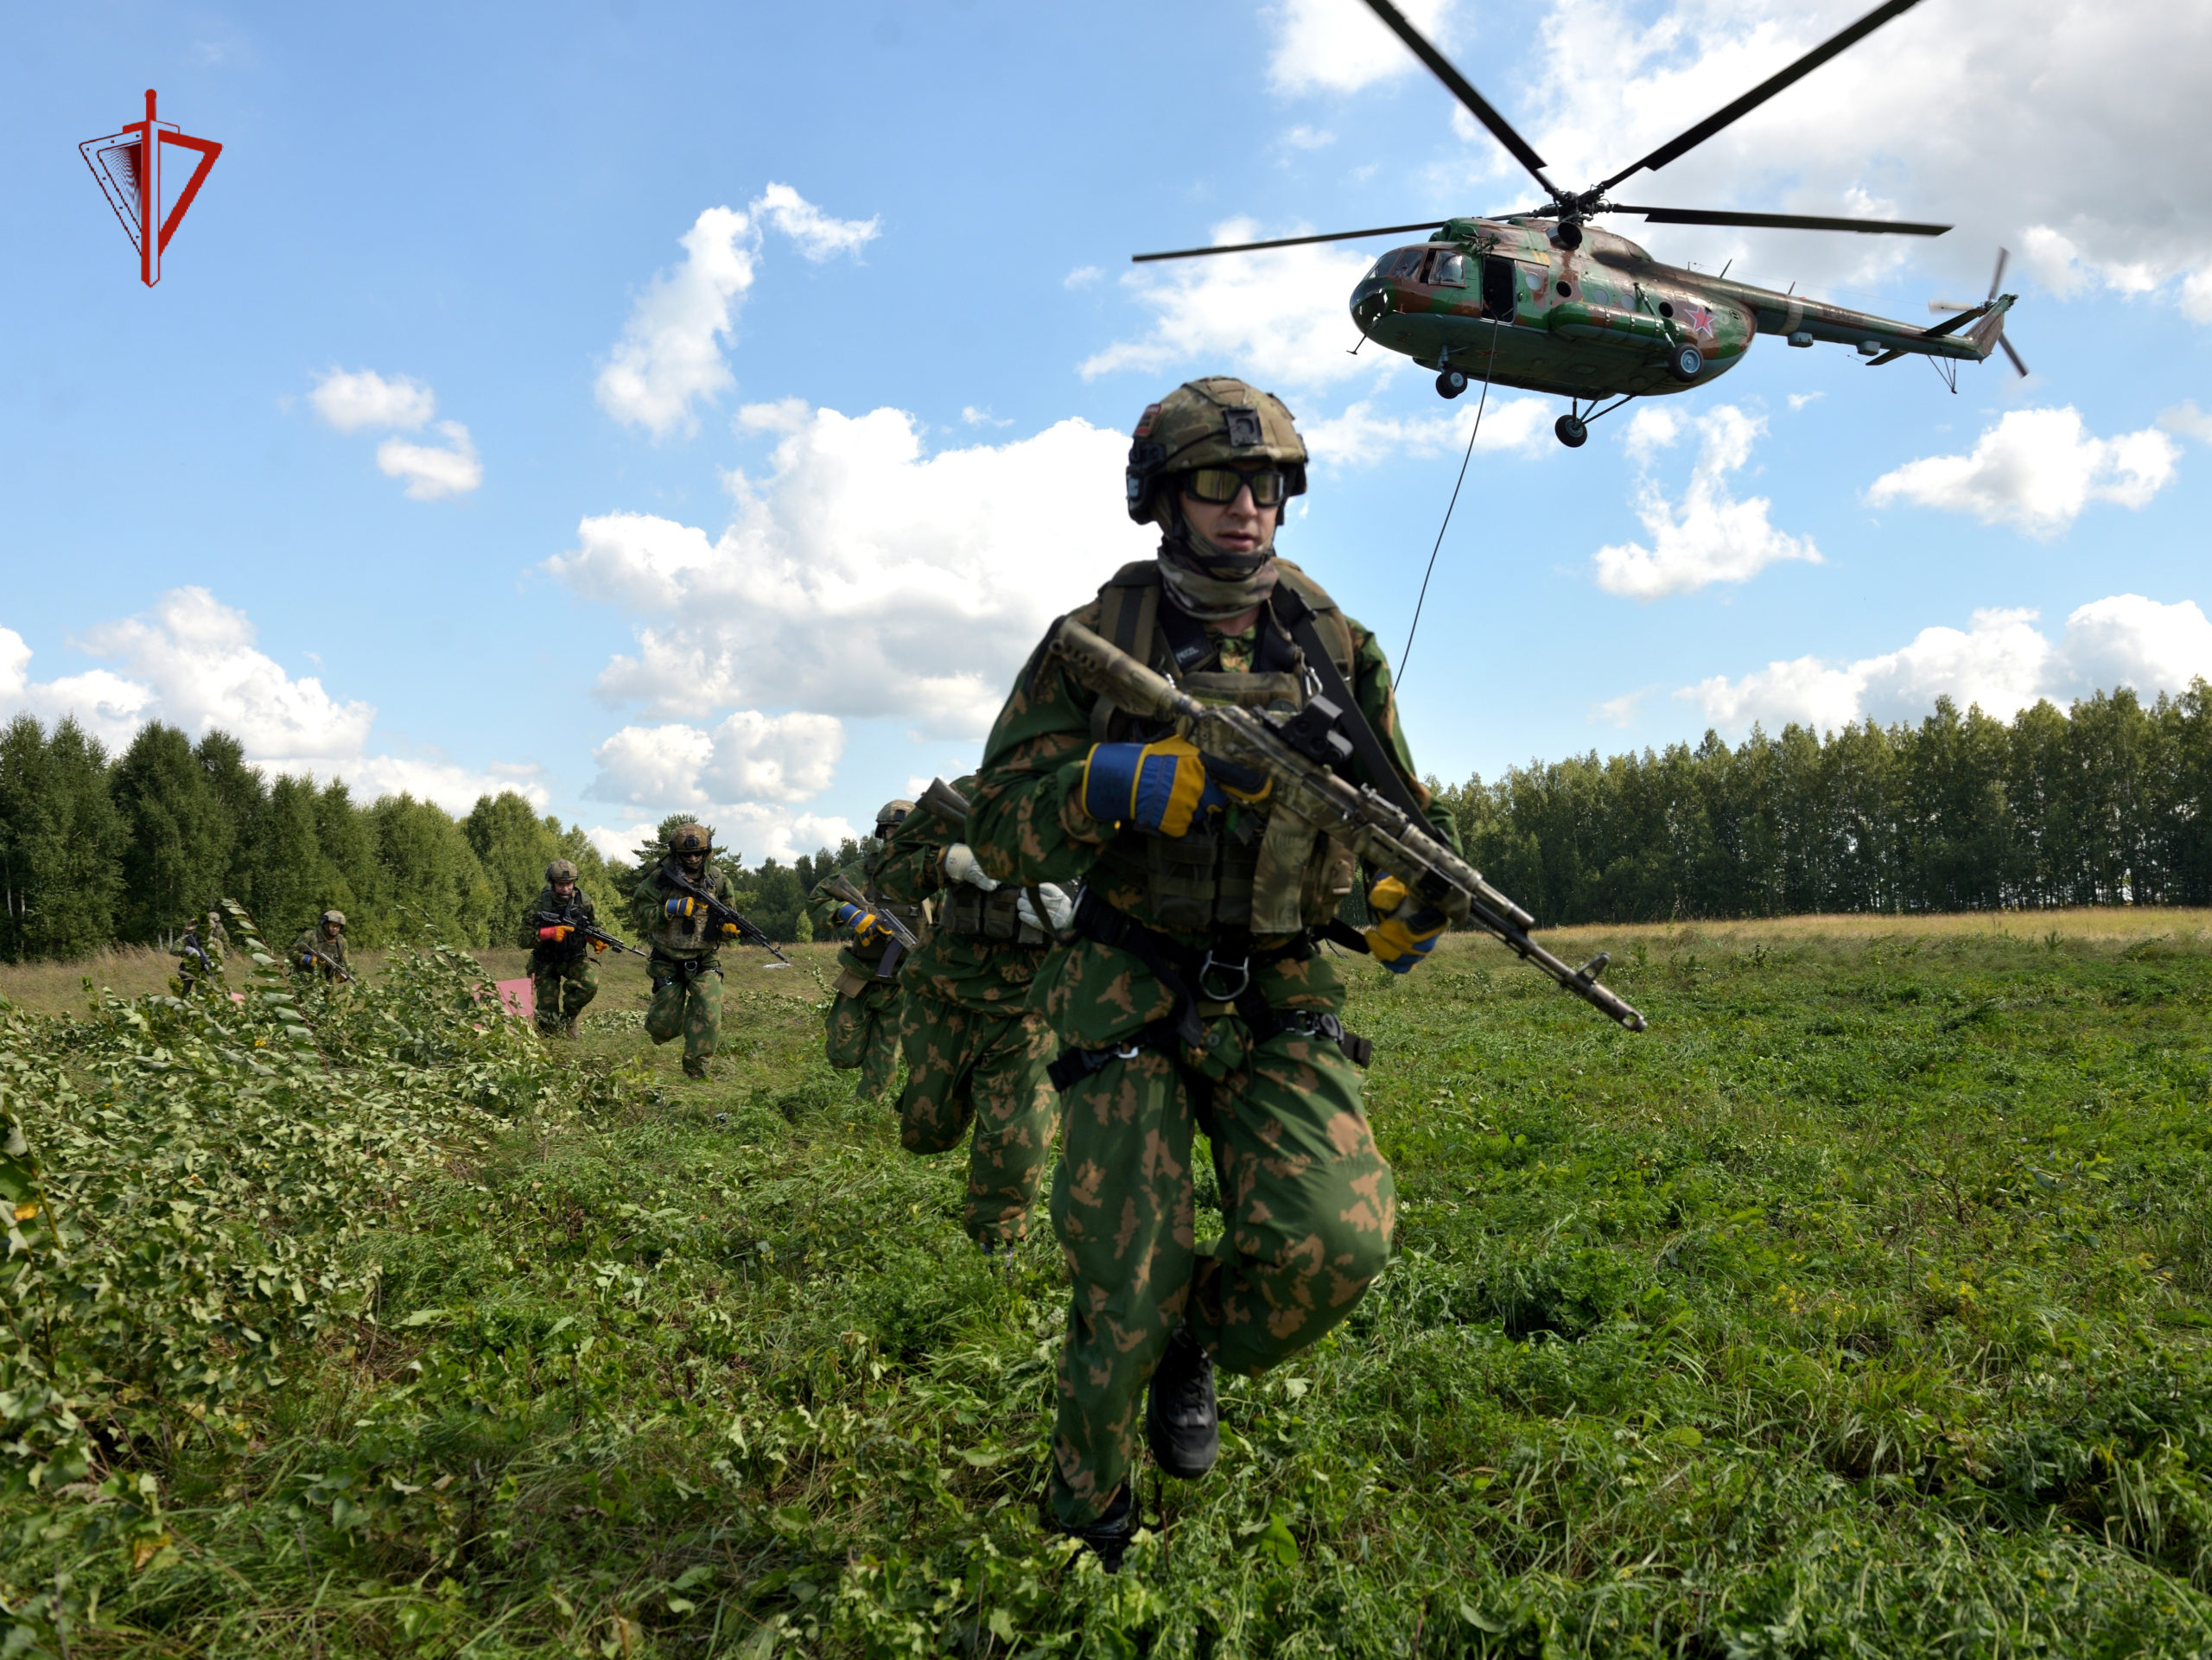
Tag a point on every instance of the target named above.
point(2110, 803)
point(1858, 1308)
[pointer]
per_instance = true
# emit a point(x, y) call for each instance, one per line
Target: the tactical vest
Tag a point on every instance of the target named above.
point(964, 909)
point(680, 938)
point(1256, 868)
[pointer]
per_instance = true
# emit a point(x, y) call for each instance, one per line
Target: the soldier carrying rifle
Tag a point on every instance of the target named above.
point(563, 975)
point(321, 950)
point(862, 1025)
point(682, 907)
point(1193, 997)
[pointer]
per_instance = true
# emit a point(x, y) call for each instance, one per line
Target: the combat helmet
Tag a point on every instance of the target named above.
point(560, 870)
point(891, 815)
point(690, 838)
point(1219, 420)
point(337, 917)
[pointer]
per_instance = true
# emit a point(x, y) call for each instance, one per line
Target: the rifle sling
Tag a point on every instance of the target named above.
point(1292, 611)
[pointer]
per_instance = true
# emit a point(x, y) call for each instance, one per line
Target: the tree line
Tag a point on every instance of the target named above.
point(97, 850)
point(2105, 804)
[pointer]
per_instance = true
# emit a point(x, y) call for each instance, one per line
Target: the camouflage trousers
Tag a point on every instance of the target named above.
point(967, 1063)
point(687, 999)
point(1308, 1205)
point(562, 989)
point(864, 1033)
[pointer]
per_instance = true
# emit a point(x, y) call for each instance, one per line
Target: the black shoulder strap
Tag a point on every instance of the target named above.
point(1292, 611)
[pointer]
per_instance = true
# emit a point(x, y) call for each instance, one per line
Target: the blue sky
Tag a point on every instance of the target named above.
point(760, 523)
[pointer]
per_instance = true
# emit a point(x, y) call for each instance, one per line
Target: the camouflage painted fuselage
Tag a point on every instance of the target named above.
point(1598, 321)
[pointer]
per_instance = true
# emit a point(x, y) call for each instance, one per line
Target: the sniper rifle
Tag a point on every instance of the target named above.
point(902, 936)
point(598, 936)
point(721, 911)
point(1289, 758)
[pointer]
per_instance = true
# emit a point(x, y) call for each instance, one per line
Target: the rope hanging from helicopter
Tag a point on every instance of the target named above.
point(1480, 405)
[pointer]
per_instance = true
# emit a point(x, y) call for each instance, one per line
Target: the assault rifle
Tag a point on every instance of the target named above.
point(946, 803)
point(1291, 755)
point(902, 936)
point(598, 936)
point(721, 911)
point(335, 967)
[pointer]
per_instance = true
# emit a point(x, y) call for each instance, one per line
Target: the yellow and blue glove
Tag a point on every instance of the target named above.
point(1409, 930)
point(685, 905)
point(1156, 787)
point(867, 926)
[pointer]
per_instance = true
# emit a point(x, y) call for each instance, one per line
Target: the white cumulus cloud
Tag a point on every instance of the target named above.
point(1712, 537)
point(1339, 46)
point(670, 357)
point(2036, 470)
point(364, 400)
point(433, 471)
point(862, 576)
point(194, 662)
point(2002, 661)
point(750, 756)
point(1360, 437)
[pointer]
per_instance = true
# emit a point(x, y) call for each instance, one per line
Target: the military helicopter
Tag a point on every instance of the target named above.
point(1548, 302)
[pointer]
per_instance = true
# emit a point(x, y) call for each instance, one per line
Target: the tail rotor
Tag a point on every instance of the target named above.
point(1993, 327)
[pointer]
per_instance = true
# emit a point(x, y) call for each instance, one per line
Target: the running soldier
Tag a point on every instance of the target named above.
point(974, 1049)
point(322, 949)
point(1193, 995)
point(563, 975)
point(863, 1022)
point(684, 940)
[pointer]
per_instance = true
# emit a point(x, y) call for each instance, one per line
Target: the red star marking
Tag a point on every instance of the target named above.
point(1699, 319)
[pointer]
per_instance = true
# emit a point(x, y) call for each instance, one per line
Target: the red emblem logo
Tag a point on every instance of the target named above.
point(1700, 318)
point(128, 165)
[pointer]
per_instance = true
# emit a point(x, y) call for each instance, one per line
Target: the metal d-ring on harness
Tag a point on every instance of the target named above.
point(1184, 1027)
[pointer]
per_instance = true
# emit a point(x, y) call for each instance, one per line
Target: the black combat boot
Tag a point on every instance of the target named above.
point(1109, 1536)
point(1180, 1422)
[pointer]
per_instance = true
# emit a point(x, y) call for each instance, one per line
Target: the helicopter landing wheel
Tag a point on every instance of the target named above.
point(1572, 430)
point(1685, 363)
point(1451, 382)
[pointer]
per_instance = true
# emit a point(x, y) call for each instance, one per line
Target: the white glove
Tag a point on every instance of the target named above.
point(961, 865)
point(1059, 909)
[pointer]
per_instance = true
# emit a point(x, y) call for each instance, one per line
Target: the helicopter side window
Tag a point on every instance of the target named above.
point(1448, 269)
point(1407, 262)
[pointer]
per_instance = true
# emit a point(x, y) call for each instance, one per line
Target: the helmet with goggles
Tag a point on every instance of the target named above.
point(1216, 437)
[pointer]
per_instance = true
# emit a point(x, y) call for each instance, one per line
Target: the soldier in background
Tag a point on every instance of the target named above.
point(322, 949)
point(683, 941)
point(863, 1023)
point(563, 975)
point(974, 1049)
point(195, 957)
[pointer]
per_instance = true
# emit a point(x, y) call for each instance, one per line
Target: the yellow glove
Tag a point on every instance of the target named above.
point(731, 929)
point(1408, 931)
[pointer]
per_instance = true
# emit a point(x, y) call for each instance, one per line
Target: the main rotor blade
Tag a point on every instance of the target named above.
point(1287, 242)
point(2015, 356)
point(1765, 90)
point(1779, 221)
point(1477, 105)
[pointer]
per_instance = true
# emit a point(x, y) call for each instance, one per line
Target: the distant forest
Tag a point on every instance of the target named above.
point(97, 850)
point(2105, 803)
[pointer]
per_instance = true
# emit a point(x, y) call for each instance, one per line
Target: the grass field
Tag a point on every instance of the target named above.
point(1860, 1308)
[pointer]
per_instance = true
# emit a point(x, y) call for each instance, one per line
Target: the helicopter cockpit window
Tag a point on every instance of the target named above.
point(1449, 270)
point(1407, 262)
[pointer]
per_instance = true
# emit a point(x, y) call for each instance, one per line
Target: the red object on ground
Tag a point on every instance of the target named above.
point(518, 998)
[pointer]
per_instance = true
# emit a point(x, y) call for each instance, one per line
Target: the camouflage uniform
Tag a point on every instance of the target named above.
point(563, 975)
point(974, 1049)
point(863, 1021)
point(312, 940)
point(682, 961)
point(1309, 1201)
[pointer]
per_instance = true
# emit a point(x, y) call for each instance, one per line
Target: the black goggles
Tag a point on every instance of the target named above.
point(1221, 484)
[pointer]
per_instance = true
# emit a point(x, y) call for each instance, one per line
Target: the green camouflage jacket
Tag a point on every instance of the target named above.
point(822, 908)
point(577, 908)
point(967, 970)
point(1029, 825)
point(684, 939)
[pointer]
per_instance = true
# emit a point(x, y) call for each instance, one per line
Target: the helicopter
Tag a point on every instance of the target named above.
point(1546, 301)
